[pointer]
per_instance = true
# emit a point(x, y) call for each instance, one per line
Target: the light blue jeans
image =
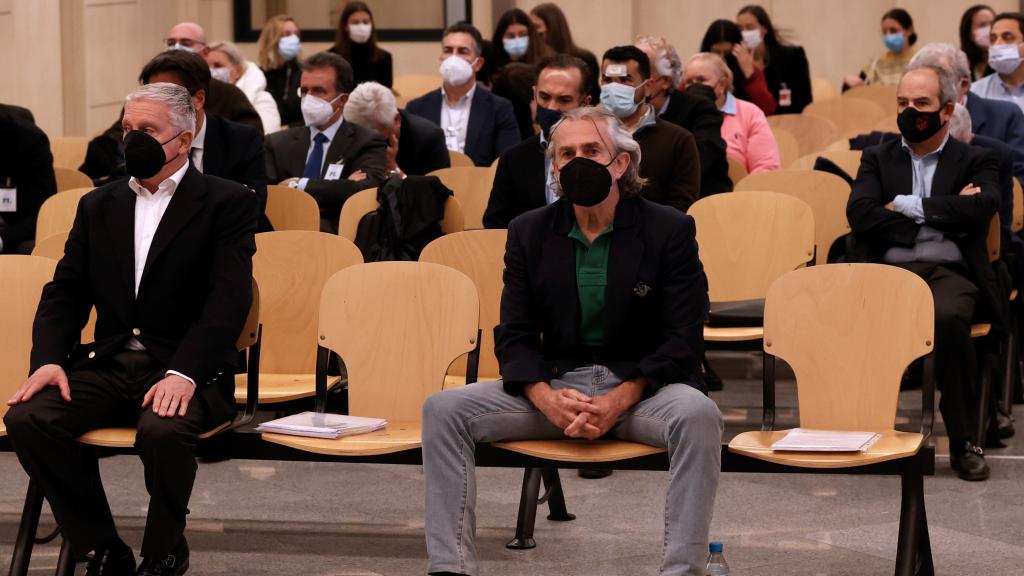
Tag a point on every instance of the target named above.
point(678, 418)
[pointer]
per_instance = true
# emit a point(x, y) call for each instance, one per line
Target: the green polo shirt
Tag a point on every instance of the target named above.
point(591, 280)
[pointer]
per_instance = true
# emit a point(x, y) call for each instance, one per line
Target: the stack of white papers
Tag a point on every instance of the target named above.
point(317, 425)
point(804, 440)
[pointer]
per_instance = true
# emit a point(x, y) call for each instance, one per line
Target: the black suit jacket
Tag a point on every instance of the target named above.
point(492, 127)
point(421, 148)
point(886, 171)
point(26, 164)
point(196, 286)
point(655, 305)
point(518, 185)
point(235, 152)
point(701, 117)
point(788, 65)
point(357, 147)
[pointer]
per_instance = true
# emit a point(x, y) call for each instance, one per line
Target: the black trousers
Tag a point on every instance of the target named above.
point(955, 360)
point(43, 433)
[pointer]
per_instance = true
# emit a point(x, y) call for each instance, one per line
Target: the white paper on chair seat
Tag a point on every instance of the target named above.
point(805, 440)
point(319, 425)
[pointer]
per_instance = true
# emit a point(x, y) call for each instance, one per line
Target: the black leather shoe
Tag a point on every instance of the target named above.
point(1004, 423)
point(116, 559)
point(968, 461)
point(174, 564)
point(594, 473)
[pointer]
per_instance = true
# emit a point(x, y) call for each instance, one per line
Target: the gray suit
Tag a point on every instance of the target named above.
point(356, 147)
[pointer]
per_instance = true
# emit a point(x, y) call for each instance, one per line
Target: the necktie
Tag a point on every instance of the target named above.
point(316, 157)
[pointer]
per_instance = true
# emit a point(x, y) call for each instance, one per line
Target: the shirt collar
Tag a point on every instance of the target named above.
point(649, 119)
point(330, 131)
point(169, 185)
point(934, 153)
point(730, 104)
point(200, 137)
point(668, 98)
point(463, 100)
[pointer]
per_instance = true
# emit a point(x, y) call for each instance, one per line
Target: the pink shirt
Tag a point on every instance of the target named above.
point(748, 138)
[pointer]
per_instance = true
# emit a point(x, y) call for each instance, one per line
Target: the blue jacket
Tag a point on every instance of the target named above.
point(492, 125)
point(1001, 120)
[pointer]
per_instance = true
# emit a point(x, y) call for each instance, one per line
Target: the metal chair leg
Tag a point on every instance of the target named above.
point(913, 550)
point(66, 560)
point(25, 540)
point(527, 511)
point(555, 496)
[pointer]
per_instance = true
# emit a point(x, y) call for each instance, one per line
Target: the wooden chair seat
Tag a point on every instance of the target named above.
point(587, 451)
point(893, 445)
point(980, 330)
point(739, 334)
point(125, 437)
point(458, 381)
point(397, 437)
point(282, 387)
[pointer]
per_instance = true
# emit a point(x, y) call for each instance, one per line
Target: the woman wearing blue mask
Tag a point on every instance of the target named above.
point(279, 55)
point(898, 37)
point(516, 48)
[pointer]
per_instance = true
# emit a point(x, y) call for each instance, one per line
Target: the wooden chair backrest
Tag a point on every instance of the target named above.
point(737, 171)
point(812, 133)
point(851, 115)
point(849, 331)
point(292, 209)
point(883, 95)
point(69, 151)
point(848, 160)
point(251, 328)
point(21, 282)
point(409, 86)
point(460, 160)
point(887, 124)
point(826, 194)
point(51, 247)
point(841, 144)
point(748, 240)
point(480, 255)
point(789, 148)
point(365, 201)
point(57, 214)
point(291, 267)
point(822, 89)
point(70, 178)
point(398, 326)
point(472, 188)
point(1018, 207)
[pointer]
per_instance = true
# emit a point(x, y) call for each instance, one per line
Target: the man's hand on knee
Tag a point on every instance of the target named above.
point(46, 375)
point(170, 396)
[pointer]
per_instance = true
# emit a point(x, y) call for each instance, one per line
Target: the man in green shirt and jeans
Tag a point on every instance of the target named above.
point(600, 335)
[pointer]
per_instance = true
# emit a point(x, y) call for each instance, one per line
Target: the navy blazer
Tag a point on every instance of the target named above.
point(492, 125)
point(655, 300)
point(1001, 120)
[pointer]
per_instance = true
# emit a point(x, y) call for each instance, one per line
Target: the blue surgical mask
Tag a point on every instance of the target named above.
point(516, 47)
point(288, 46)
point(619, 99)
point(894, 42)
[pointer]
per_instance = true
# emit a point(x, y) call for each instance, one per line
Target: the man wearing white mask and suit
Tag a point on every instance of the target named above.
point(329, 158)
point(475, 121)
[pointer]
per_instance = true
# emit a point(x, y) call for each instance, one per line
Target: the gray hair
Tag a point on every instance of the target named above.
point(942, 55)
point(947, 82)
point(371, 105)
point(718, 62)
point(666, 59)
point(630, 183)
point(230, 50)
point(960, 124)
point(180, 113)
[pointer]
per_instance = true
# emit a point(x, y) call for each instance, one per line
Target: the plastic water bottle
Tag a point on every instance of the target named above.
point(716, 561)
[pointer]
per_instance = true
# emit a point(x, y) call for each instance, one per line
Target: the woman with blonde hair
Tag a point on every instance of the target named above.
point(279, 55)
point(228, 65)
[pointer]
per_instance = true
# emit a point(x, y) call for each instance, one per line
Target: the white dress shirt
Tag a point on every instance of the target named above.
point(331, 131)
point(196, 154)
point(455, 119)
point(149, 210)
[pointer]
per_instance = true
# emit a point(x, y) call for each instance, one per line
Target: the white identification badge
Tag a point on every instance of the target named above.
point(8, 199)
point(451, 142)
point(334, 171)
point(785, 97)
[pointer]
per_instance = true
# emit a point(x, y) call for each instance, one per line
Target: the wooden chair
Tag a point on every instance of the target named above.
point(849, 331)
point(57, 213)
point(292, 209)
point(789, 148)
point(812, 133)
point(291, 267)
point(409, 86)
point(884, 96)
point(841, 144)
point(472, 188)
point(365, 201)
point(737, 171)
point(70, 178)
point(51, 247)
point(848, 160)
point(68, 151)
point(479, 254)
point(826, 194)
point(887, 124)
point(460, 160)
point(822, 89)
point(851, 115)
point(1018, 207)
point(414, 319)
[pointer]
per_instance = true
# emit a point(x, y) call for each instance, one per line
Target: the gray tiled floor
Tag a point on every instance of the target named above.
point(265, 518)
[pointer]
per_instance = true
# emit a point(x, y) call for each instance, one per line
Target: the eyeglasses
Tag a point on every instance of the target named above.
point(186, 42)
point(315, 91)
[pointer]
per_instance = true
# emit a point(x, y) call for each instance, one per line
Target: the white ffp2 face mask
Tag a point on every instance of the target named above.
point(752, 38)
point(1004, 58)
point(317, 111)
point(455, 71)
point(222, 74)
point(981, 36)
point(360, 33)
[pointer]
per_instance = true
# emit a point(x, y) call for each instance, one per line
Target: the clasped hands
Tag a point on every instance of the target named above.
point(582, 416)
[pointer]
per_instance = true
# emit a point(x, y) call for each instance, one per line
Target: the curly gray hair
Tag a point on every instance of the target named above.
point(630, 183)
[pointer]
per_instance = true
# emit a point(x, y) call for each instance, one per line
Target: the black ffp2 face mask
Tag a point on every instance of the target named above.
point(917, 126)
point(585, 182)
point(546, 119)
point(144, 155)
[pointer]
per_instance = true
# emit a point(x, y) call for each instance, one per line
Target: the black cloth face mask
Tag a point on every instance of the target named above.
point(546, 119)
point(585, 182)
point(917, 126)
point(144, 155)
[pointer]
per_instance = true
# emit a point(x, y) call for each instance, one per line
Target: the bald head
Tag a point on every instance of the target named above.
point(189, 36)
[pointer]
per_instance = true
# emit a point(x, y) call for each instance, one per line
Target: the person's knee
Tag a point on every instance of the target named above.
point(949, 317)
point(440, 407)
point(160, 434)
point(693, 412)
point(19, 420)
